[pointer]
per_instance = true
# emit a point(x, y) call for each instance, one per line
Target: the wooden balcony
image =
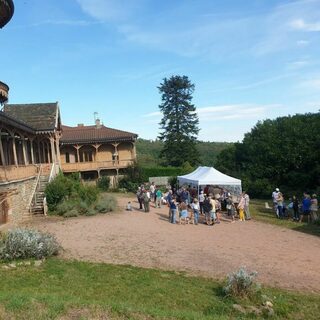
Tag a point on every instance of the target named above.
point(95, 165)
point(16, 173)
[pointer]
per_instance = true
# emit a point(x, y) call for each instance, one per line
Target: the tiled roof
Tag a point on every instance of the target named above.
point(40, 116)
point(5, 118)
point(93, 134)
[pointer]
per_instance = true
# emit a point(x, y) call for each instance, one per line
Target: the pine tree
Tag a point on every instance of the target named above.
point(180, 121)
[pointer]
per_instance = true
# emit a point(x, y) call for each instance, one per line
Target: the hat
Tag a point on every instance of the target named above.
point(277, 189)
point(201, 191)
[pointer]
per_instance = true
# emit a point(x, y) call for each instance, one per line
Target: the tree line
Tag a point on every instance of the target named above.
point(284, 153)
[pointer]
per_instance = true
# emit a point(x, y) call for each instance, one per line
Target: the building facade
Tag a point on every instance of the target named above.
point(96, 151)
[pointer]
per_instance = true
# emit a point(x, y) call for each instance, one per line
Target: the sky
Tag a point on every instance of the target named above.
point(249, 60)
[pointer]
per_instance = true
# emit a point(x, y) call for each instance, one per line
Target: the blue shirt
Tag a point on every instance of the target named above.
point(306, 204)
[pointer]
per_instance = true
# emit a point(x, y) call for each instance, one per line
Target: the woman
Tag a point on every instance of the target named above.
point(241, 207)
point(195, 207)
point(280, 204)
point(314, 208)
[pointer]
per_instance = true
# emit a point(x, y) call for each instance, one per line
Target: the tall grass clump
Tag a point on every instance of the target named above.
point(26, 244)
point(106, 203)
point(241, 284)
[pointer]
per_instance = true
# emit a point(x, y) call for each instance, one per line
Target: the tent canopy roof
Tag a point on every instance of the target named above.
point(208, 176)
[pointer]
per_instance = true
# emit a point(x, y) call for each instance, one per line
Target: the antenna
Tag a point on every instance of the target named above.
point(95, 115)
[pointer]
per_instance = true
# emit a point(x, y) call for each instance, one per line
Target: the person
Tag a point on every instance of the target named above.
point(128, 206)
point(213, 210)
point(152, 192)
point(195, 207)
point(280, 200)
point(230, 207)
point(173, 208)
point(314, 208)
point(146, 201)
point(306, 204)
point(184, 195)
point(241, 207)
point(140, 197)
point(183, 212)
point(295, 207)
point(169, 197)
point(218, 209)
point(158, 198)
point(207, 209)
point(246, 206)
point(201, 199)
point(274, 200)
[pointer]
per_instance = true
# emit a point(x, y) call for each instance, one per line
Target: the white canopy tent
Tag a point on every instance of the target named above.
point(203, 176)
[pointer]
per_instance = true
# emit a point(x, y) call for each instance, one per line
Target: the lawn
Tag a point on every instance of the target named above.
point(260, 213)
point(80, 290)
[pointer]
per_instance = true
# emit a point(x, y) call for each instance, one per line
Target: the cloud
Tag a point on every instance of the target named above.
point(302, 43)
point(111, 10)
point(300, 24)
point(311, 84)
point(294, 65)
point(76, 23)
point(152, 114)
point(227, 112)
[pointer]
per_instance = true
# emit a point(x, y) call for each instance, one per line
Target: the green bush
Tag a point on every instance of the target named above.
point(26, 244)
point(89, 194)
point(57, 190)
point(106, 203)
point(103, 183)
point(131, 186)
point(64, 206)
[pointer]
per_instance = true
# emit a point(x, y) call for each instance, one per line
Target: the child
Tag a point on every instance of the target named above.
point(195, 207)
point(128, 207)
point(241, 207)
point(183, 212)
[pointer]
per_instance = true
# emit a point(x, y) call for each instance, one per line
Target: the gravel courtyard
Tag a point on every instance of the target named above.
point(282, 257)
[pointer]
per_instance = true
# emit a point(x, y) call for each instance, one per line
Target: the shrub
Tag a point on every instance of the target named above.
point(106, 203)
point(57, 190)
point(103, 183)
point(241, 283)
point(64, 207)
point(89, 194)
point(83, 207)
point(72, 213)
point(26, 244)
point(124, 183)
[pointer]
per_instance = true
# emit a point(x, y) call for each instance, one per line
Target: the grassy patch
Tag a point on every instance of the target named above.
point(78, 290)
point(260, 213)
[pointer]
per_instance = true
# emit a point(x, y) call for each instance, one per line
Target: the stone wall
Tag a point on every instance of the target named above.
point(19, 201)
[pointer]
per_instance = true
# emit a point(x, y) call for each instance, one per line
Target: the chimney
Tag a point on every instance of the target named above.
point(80, 125)
point(98, 123)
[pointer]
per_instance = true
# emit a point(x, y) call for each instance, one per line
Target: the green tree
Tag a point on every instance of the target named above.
point(179, 123)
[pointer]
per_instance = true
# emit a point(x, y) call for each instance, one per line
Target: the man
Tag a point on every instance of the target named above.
point(246, 206)
point(152, 191)
point(146, 200)
point(306, 204)
point(275, 195)
point(169, 198)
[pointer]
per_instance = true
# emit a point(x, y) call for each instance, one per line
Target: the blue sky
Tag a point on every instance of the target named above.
point(249, 60)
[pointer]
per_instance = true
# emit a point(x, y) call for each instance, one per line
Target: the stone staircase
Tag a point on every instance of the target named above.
point(37, 205)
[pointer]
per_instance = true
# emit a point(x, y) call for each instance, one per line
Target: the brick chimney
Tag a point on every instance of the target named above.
point(98, 124)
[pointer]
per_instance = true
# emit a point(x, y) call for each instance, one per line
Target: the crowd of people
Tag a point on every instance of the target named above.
point(190, 205)
point(296, 209)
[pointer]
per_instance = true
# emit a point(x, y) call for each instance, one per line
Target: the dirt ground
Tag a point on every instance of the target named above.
point(282, 257)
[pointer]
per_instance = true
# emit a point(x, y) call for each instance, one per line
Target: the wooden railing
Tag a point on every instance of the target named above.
point(95, 165)
point(15, 173)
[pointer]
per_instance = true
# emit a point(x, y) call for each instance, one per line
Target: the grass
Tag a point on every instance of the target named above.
point(260, 213)
point(80, 290)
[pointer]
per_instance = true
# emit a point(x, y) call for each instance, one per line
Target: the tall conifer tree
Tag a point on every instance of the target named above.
point(179, 125)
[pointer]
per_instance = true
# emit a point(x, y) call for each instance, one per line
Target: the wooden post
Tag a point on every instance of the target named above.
point(53, 153)
point(31, 150)
point(39, 152)
point(14, 150)
point(58, 150)
point(4, 161)
point(24, 151)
